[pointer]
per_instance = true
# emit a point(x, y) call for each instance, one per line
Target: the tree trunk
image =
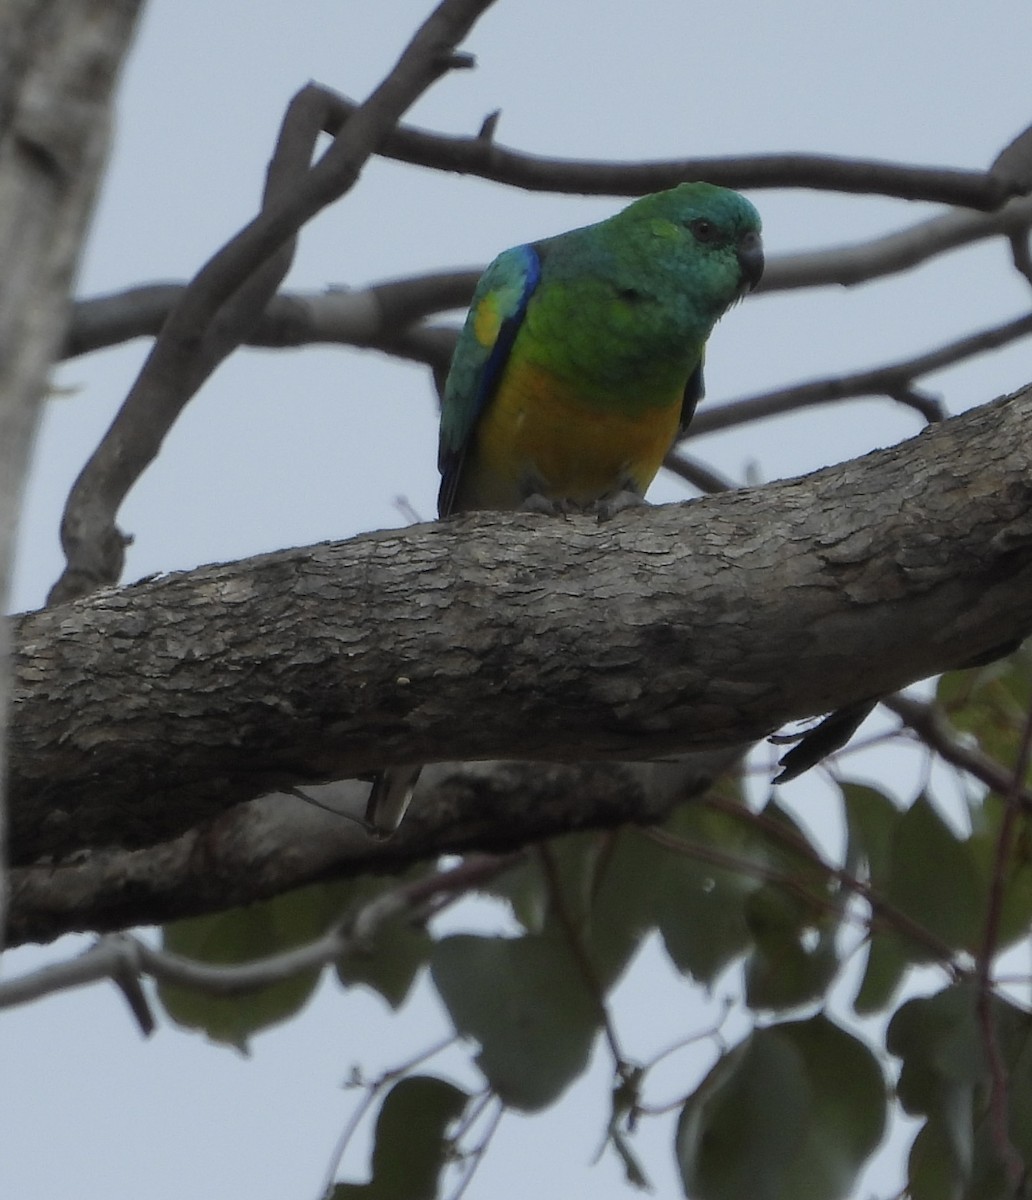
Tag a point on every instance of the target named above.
point(59, 62)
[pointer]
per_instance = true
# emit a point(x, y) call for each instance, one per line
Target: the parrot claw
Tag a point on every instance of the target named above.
point(536, 502)
point(616, 502)
point(603, 509)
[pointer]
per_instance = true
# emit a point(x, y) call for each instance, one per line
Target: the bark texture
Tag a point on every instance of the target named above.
point(145, 710)
point(59, 63)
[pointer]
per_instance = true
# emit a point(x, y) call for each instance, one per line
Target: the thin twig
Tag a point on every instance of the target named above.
point(999, 1107)
point(580, 955)
point(372, 1090)
point(118, 954)
point(476, 1155)
point(895, 252)
point(927, 721)
point(351, 1126)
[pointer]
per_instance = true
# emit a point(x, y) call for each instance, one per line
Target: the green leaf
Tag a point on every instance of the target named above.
point(390, 964)
point(924, 871)
point(700, 907)
point(945, 1078)
point(871, 820)
point(241, 935)
point(990, 702)
point(709, 914)
point(1016, 909)
point(608, 884)
point(793, 959)
point(934, 880)
point(793, 1113)
point(886, 968)
point(525, 1002)
point(410, 1148)
point(620, 907)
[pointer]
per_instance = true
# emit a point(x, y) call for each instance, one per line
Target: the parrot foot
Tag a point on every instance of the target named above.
point(550, 506)
point(603, 508)
point(616, 502)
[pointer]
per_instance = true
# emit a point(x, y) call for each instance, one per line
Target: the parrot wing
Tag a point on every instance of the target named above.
point(694, 390)
point(495, 315)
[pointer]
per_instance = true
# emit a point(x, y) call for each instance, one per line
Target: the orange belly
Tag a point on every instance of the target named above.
point(538, 436)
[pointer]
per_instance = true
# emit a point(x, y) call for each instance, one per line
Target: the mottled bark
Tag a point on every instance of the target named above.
point(59, 61)
point(144, 710)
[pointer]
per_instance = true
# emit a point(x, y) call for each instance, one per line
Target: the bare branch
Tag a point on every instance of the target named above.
point(895, 252)
point(126, 957)
point(1021, 254)
point(894, 380)
point(928, 722)
point(486, 158)
point(383, 316)
point(699, 475)
point(229, 293)
point(377, 316)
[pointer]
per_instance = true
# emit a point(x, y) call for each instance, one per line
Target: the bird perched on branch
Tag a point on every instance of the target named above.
point(579, 365)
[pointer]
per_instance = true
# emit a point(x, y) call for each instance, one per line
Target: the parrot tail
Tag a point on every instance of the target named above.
point(389, 798)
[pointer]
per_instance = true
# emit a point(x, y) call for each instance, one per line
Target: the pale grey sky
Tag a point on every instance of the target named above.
point(293, 447)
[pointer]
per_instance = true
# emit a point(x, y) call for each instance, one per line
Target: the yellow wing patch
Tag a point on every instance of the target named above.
point(487, 320)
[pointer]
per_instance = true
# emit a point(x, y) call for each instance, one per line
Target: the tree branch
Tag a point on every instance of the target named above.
point(895, 252)
point(270, 845)
point(378, 315)
point(484, 157)
point(932, 727)
point(230, 292)
point(144, 712)
point(118, 957)
point(384, 316)
point(894, 380)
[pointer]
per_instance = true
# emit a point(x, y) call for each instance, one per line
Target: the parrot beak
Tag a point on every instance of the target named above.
point(750, 259)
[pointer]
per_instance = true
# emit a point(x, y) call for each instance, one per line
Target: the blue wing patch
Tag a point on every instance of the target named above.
point(495, 315)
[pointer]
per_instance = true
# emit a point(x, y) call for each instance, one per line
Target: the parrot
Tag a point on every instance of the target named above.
point(580, 364)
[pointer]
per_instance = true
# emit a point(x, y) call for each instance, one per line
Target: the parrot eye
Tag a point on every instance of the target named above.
point(705, 231)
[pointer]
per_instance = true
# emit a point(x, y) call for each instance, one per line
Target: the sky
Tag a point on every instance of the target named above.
point(292, 447)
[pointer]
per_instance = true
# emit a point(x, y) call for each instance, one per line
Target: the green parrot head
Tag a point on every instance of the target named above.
point(699, 232)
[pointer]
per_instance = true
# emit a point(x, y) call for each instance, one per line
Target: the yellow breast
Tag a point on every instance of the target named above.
point(538, 435)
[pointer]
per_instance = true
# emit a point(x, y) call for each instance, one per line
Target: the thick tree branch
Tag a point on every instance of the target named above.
point(231, 291)
point(276, 843)
point(144, 711)
point(484, 157)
